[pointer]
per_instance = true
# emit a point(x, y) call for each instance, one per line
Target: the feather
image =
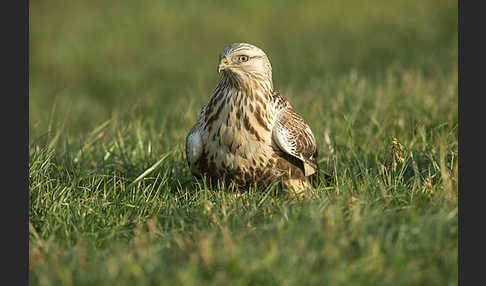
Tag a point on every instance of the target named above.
point(294, 137)
point(247, 133)
point(194, 147)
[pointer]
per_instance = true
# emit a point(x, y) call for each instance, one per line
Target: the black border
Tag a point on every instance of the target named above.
point(471, 65)
point(14, 22)
point(460, 257)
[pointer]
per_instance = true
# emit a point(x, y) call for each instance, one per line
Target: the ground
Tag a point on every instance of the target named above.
point(114, 90)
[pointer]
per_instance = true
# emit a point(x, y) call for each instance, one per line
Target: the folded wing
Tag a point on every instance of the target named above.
point(294, 137)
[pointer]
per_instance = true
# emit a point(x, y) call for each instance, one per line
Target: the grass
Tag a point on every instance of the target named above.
point(114, 90)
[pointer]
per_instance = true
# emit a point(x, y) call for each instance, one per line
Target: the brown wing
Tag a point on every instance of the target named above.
point(294, 137)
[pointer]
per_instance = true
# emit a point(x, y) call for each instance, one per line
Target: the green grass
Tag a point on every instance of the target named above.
point(114, 90)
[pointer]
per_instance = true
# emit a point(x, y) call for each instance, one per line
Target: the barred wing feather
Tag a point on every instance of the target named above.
point(294, 137)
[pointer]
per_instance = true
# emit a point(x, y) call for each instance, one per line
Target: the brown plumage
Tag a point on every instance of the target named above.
point(247, 133)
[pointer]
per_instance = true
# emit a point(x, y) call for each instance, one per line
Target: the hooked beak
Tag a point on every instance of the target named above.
point(224, 64)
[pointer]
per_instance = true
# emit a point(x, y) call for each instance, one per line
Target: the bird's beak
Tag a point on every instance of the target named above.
point(224, 64)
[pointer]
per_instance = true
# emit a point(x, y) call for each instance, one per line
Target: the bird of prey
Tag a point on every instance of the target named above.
point(247, 133)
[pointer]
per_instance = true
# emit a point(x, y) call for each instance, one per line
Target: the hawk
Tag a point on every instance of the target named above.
point(247, 133)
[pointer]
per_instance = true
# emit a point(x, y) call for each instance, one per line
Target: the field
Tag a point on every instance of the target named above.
point(114, 88)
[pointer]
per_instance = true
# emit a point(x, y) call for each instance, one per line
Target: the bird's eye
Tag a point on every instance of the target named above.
point(243, 59)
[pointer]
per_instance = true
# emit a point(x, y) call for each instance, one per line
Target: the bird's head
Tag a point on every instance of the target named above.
point(244, 62)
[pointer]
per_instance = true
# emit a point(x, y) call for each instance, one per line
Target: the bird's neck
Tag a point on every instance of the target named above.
point(245, 106)
point(247, 84)
point(243, 99)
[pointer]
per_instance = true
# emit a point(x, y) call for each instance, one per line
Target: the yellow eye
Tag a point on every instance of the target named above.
point(243, 59)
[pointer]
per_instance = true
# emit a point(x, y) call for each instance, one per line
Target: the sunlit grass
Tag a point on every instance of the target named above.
point(114, 90)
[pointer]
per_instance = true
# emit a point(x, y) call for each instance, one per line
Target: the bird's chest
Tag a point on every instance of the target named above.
point(238, 136)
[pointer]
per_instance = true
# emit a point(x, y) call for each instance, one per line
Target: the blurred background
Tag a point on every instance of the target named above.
point(92, 60)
